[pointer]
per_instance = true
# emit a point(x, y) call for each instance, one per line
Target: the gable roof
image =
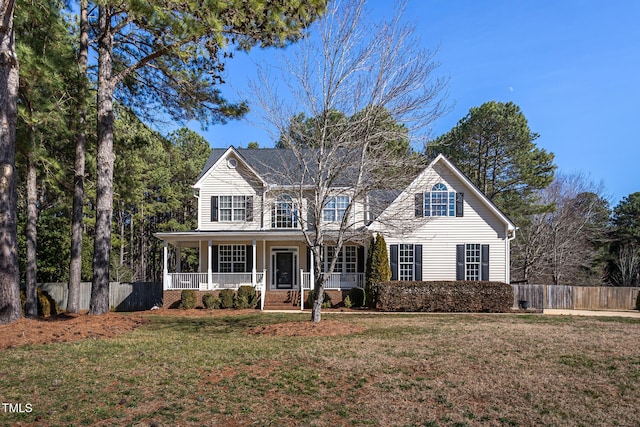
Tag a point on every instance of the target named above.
point(273, 166)
point(470, 185)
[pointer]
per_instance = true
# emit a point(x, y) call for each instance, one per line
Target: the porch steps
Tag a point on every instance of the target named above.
point(282, 300)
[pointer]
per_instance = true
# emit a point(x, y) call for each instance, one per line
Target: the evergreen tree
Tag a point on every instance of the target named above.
point(177, 62)
point(494, 147)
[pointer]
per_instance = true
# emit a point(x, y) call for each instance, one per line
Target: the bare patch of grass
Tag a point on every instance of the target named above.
point(395, 370)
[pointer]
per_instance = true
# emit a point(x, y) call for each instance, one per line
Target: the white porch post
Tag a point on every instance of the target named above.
point(165, 268)
point(264, 263)
point(312, 275)
point(253, 267)
point(178, 261)
point(209, 264)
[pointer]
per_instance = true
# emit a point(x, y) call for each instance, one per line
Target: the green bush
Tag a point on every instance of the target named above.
point(347, 302)
point(326, 300)
point(246, 297)
point(357, 297)
point(458, 296)
point(226, 298)
point(210, 301)
point(378, 269)
point(188, 299)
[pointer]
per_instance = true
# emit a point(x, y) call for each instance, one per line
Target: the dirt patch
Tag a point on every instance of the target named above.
point(75, 327)
point(67, 328)
point(326, 328)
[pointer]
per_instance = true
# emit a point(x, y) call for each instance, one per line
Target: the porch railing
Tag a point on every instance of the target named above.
point(336, 281)
point(180, 281)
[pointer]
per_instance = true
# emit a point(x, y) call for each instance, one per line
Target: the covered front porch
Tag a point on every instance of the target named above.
point(267, 261)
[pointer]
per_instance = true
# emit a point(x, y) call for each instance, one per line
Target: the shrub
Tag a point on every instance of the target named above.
point(47, 306)
point(347, 302)
point(210, 301)
point(246, 297)
point(357, 297)
point(226, 298)
point(188, 299)
point(458, 296)
point(326, 300)
point(378, 269)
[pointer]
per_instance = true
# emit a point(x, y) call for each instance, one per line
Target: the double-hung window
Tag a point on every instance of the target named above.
point(232, 258)
point(406, 262)
point(335, 208)
point(472, 260)
point(284, 213)
point(231, 208)
point(347, 259)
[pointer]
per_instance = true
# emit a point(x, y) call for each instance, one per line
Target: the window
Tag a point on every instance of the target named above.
point(472, 260)
point(231, 208)
point(347, 259)
point(439, 202)
point(232, 258)
point(405, 262)
point(284, 213)
point(335, 208)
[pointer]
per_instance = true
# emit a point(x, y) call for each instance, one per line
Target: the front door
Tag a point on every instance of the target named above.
point(284, 270)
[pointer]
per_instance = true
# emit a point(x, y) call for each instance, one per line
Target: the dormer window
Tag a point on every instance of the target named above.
point(439, 202)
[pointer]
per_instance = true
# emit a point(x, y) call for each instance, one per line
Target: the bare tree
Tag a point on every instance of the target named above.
point(561, 244)
point(628, 263)
point(363, 71)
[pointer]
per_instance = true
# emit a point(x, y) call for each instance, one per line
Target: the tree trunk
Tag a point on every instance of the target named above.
point(10, 306)
point(105, 160)
point(75, 265)
point(318, 299)
point(31, 285)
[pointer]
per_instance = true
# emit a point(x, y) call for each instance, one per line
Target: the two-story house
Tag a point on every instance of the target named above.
point(251, 219)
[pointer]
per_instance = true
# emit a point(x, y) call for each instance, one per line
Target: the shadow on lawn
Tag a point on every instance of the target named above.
point(217, 325)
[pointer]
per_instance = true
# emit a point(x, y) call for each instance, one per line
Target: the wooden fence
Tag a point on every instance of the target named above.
point(575, 297)
point(122, 296)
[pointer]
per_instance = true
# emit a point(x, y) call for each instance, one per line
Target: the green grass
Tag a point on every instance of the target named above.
point(403, 370)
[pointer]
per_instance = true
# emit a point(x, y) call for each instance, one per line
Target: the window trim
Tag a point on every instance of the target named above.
point(237, 258)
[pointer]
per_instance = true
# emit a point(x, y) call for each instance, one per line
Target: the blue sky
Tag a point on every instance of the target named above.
point(573, 67)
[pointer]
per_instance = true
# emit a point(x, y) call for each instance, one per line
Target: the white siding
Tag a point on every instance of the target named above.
point(225, 181)
point(440, 235)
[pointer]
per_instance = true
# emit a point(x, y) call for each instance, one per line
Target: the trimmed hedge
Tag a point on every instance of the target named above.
point(458, 296)
point(188, 299)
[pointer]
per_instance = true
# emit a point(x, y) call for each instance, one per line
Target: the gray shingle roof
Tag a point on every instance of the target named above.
point(279, 166)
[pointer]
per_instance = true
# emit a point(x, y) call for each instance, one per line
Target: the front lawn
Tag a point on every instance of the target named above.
point(401, 370)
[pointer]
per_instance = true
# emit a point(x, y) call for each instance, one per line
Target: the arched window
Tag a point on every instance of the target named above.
point(284, 213)
point(440, 202)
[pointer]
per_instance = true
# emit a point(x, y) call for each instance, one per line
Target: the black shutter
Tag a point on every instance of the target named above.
point(214, 259)
point(248, 208)
point(214, 208)
point(459, 262)
point(249, 259)
point(393, 261)
point(459, 204)
point(309, 266)
point(417, 262)
point(360, 255)
point(484, 262)
point(419, 203)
